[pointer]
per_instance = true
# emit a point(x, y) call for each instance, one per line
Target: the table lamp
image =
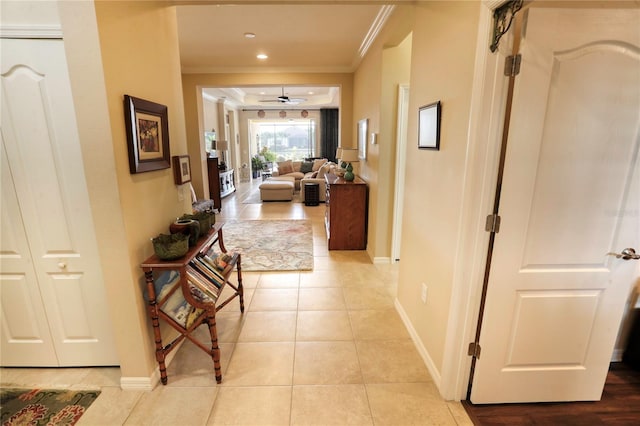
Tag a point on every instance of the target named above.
point(349, 156)
point(223, 146)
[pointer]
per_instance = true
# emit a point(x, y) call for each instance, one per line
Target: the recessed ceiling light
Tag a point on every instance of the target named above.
point(261, 56)
point(310, 93)
point(249, 35)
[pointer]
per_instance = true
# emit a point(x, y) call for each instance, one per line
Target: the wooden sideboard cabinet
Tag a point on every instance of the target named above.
point(214, 182)
point(346, 213)
point(221, 182)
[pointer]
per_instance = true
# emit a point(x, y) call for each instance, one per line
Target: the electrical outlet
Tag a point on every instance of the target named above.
point(423, 293)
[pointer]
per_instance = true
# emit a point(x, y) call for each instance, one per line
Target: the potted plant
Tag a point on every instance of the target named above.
point(268, 155)
point(256, 166)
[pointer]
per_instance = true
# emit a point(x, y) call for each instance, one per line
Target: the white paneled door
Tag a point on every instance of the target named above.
point(570, 196)
point(53, 307)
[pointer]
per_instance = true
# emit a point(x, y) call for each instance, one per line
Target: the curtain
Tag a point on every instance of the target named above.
point(328, 133)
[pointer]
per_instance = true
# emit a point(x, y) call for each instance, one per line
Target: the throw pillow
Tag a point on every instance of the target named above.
point(317, 164)
point(323, 170)
point(306, 167)
point(285, 167)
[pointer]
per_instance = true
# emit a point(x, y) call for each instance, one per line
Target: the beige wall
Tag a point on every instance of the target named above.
point(396, 70)
point(433, 185)
point(139, 46)
point(87, 81)
point(193, 83)
point(386, 65)
point(210, 116)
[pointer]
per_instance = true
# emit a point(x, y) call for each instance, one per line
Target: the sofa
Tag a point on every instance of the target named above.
point(298, 169)
point(322, 167)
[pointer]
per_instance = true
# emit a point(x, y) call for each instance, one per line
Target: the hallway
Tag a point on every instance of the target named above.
point(319, 347)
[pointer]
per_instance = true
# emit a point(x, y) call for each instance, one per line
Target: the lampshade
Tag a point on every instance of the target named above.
point(349, 155)
point(339, 153)
point(222, 145)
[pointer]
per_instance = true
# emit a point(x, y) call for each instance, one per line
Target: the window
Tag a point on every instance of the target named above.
point(287, 139)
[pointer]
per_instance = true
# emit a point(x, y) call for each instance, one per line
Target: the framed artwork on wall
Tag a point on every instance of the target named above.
point(210, 141)
point(362, 138)
point(147, 135)
point(429, 126)
point(181, 169)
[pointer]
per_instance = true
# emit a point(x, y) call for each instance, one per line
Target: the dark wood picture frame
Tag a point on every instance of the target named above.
point(147, 135)
point(181, 169)
point(429, 126)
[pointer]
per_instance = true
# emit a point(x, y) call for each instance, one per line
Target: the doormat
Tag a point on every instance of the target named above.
point(271, 245)
point(44, 406)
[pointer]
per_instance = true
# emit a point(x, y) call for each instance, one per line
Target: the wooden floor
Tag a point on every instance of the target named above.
point(620, 405)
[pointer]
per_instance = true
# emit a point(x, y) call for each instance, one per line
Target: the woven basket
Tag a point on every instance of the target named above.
point(170, 247)
point(205, 219)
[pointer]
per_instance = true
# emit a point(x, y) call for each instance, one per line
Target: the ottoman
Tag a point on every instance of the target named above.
point(279, 188)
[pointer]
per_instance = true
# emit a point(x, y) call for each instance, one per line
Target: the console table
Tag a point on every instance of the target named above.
point(194, 310)
point(346, 213)
point(227, 182)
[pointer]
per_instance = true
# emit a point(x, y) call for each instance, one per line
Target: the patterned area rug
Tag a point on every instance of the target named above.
point(44, 406)
point(271, 245)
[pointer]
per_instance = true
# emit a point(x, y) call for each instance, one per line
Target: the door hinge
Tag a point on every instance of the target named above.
point(493, 223)
point(512, 65)
point(474, 349)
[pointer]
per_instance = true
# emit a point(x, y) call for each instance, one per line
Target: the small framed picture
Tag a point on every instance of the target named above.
point(147, 135)
point(181, 169)
point(429, 126)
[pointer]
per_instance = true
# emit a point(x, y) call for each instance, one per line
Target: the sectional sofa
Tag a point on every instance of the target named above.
point(306, 172)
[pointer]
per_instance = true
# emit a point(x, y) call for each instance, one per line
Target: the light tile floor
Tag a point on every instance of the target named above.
point(313, 348)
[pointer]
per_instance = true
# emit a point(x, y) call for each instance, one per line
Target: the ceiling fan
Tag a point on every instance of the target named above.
point(284, 99)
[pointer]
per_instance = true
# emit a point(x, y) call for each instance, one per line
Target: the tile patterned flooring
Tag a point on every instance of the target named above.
point(313, 348)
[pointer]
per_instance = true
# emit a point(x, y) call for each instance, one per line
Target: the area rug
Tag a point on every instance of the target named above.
point(44, 406)
point(254, 198)
point(271, 245)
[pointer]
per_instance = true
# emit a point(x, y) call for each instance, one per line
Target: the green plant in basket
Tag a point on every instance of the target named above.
point(170, 247)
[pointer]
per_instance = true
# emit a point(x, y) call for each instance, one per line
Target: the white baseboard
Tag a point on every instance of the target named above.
point(148, 383)
point(139, 383)
point(382, 260)
point(424, 354)
point(617, 355)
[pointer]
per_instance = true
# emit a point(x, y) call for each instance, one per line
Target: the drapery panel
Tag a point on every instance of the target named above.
point(329, 132)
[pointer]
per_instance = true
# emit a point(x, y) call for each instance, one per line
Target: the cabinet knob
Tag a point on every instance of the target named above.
point(62, 265)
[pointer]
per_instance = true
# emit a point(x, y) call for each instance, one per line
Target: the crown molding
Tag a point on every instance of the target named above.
point(31, 31)
point(374, 30)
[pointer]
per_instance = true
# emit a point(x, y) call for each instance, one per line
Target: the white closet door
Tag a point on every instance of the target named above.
point(52, 292)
